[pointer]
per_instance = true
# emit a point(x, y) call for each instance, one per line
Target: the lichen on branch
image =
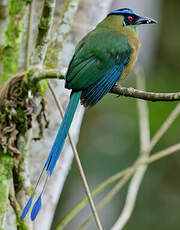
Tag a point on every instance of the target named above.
point(62, 31)
point(17, 108)
point(13, 37)
point(44, 29)
point(6, 165)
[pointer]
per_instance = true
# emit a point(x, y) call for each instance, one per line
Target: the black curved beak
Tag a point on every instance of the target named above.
point(145, 20)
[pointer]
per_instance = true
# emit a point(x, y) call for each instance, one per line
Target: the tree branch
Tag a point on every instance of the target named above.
point(28, 39)
point(44, 30)
point(16, 207)
point(117, 89)
point(109, 197)
point(63, 28)
point(4, 7)
point(13, 37)
point(148, 96)
point(42, 74)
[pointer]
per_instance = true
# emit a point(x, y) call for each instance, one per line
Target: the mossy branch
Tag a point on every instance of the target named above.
point(22, 225)
point(13, 37)
point(38, 74)
point(6, 165)
point(62, 32)
point(16, 112)
point(44, 30)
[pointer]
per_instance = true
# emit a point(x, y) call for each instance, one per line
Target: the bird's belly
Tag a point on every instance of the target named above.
point(135, 46)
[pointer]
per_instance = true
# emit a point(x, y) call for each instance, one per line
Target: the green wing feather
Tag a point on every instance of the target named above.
point(94, 56)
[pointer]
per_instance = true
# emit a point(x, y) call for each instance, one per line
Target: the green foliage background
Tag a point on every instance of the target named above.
point(109, 142)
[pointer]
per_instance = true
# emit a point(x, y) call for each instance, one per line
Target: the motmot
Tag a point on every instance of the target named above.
point(104, 56)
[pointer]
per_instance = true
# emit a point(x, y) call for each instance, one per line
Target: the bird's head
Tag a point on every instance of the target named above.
point(131, 18)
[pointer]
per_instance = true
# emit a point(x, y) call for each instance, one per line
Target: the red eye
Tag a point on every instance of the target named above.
point(130, 18)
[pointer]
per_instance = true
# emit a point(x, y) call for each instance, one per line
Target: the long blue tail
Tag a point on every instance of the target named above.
point(62, 133)
point(54, 154)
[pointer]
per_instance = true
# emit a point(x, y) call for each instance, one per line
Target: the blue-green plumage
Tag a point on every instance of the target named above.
point(102, 57)
point(96, 54)
point(62, 133)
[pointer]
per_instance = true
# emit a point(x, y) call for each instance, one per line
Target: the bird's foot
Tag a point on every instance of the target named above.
point(117, 85)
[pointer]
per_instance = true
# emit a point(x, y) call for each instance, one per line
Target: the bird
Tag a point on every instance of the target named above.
point(104, 56)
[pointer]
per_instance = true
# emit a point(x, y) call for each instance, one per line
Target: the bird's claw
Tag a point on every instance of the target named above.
point(117, 85)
